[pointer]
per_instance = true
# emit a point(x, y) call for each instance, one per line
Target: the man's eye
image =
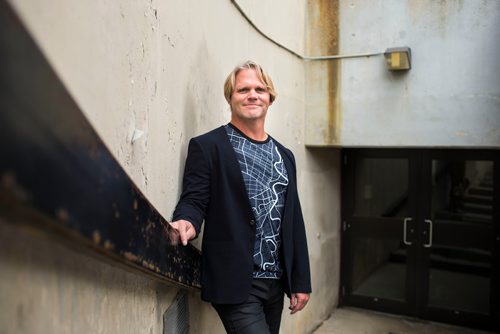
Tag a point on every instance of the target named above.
point(242, 90)
point(261, 90)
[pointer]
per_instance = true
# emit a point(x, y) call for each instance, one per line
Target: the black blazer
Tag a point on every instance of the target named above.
point(214, 192)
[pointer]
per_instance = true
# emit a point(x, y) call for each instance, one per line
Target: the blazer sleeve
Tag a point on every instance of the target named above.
point(301, 273)
point(192, 205)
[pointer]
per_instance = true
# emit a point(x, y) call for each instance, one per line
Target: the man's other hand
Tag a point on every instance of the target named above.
point(181, 230)
point(298, 301)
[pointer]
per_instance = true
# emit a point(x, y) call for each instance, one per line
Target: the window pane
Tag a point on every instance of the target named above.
point(379, 268)
point(381, 188)
point(461, 251)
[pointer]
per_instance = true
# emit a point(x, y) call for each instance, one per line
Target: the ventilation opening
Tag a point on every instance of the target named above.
point(176, 317)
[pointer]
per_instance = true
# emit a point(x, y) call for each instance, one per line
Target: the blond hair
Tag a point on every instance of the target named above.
point(261, 74)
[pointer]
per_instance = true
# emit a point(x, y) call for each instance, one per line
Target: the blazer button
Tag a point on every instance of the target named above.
point(252, 222)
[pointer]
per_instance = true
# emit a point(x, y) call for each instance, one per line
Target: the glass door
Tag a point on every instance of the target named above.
point(421, 234)
point(459, 237)
point(379, 223)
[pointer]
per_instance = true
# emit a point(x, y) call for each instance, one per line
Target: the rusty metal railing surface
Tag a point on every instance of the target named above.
point(57, 175)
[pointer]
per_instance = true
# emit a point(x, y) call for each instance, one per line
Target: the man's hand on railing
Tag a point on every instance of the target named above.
point(181, 230)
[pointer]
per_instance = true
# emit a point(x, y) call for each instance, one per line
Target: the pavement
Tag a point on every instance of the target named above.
point(357, 321)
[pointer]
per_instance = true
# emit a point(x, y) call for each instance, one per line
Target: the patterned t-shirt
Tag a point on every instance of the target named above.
point(266, 181)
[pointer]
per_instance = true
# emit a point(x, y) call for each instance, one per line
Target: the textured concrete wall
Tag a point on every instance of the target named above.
point(323, 190)
point(48, 288)
point(323, 110)
point(449, 98)
point(148, 75)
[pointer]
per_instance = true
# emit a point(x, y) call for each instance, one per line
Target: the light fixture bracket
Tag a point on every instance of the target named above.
point(398, 59)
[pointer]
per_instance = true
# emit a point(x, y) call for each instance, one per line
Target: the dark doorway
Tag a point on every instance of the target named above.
point(421, 233)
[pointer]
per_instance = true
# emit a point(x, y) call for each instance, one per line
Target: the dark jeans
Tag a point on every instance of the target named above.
point(260, 314)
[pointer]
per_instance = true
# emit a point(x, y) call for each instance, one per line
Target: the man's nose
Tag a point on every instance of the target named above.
point(252, 94)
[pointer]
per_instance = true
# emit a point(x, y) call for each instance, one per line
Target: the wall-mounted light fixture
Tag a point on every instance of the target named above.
point(398, 59)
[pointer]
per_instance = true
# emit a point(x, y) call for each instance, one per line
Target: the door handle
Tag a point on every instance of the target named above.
point(429, 244)
point(405, 223)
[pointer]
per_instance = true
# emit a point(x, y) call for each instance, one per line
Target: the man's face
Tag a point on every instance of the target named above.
point(250, 98)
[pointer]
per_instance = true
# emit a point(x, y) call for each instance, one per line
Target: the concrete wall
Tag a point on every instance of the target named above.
point(43, 291)
point(148, 75)
point(323, 109)
point(449, 98)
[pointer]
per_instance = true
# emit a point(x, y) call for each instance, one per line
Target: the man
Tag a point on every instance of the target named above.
point(242, 183)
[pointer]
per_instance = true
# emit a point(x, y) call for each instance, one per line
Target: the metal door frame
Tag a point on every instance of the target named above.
point(419, 164)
